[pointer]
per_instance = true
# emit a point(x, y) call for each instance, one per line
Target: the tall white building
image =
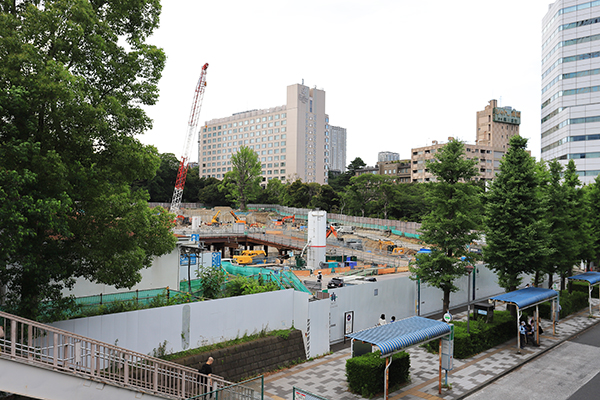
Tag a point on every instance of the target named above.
point(338, 148)
point(292, 141)
point(571, 85)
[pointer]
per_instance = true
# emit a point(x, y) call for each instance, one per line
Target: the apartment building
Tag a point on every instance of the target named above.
point(570, 101)
point(293, 141)
point(495, 126)
point(399, 169)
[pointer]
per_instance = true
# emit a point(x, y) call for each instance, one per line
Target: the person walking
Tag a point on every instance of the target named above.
point(206, 371)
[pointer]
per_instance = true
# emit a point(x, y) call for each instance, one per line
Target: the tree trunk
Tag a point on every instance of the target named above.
point(446, 300)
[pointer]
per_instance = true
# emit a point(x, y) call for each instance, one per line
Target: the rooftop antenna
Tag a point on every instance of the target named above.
point(302, 81)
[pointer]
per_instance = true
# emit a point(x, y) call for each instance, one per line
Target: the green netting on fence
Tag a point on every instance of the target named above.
point(139, 296)
point(282, 278)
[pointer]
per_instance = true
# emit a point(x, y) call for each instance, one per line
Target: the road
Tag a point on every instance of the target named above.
point(569, 371)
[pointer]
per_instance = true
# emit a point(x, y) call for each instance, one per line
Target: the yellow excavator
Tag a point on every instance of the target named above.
point(249, 256)
point(215, 219)
point(391, 247)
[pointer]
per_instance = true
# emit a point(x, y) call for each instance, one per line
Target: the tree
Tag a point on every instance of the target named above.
point(451, 225)
point(296, 195)
point(212, 193)
point(160, 187)
point(593, 221)
point(327, 199)
point(364, 191)
point(272, 193)
point(244, 178)
point(340, 182)
point(74, 76)
point(516, 230)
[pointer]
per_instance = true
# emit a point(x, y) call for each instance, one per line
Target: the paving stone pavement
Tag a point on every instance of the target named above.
point(326, 376)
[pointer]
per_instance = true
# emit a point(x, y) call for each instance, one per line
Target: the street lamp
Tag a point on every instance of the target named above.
point(469, 269)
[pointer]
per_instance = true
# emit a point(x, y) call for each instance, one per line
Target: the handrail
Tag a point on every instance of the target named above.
point(52, 348)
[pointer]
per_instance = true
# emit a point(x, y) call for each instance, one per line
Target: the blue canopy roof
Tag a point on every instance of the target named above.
point(526, 297)
point(592, 277)
point(403, 333)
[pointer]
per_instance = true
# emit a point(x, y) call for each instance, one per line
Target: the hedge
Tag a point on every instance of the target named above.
point(569, 304)
point(365, 373)
point(482, 335)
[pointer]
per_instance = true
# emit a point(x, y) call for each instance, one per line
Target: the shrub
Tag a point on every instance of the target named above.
point(482, 335)
point(365, 373)
point(569, 303)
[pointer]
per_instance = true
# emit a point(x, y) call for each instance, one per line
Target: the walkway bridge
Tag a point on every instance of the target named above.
point(44, 362)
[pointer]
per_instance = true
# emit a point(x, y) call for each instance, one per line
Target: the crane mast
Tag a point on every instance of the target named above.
point(187, 146)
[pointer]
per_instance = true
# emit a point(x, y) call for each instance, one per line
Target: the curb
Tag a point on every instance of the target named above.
point(511, 369)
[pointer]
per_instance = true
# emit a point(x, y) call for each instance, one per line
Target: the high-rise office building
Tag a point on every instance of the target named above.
point(338, 148)
point(292, 141)
point(571, 85)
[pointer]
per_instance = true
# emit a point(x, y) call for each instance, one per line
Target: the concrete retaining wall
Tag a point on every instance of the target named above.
point(248, 359)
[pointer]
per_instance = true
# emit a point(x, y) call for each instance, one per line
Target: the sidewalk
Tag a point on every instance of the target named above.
point(326, 376)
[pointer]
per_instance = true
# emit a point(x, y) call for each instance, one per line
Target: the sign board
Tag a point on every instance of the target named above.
point(448, 350)
point(348, 322)
point(506, 115)
point(183, 260)
point(195, 237)
point(447, 317)
point(216, 259)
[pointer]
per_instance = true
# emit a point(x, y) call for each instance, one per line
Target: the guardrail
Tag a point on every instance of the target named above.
point(54, 349)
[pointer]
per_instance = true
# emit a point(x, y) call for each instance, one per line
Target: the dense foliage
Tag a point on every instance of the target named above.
point(365, 373)
point(453, 222)
point(74, 76)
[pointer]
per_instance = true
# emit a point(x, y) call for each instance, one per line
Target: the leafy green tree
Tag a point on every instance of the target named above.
point(327, 199)
point(516, 230)
point(340, 182)
point(592, 195)
point(74, 76)
point(212, 282)
point(410, 202)
point(364, 192)
point(212, 193)
point(296, 195)
point(452, 224)
point(272, 193)
point(192, 185)
point(243, 181)
point(161, 186)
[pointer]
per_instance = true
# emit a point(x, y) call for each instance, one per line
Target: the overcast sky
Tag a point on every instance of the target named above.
point(397, 73)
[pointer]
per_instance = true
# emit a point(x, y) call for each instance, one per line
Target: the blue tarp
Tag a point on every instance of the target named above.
point(526, 297)
point(401, 334)
point(591, 277)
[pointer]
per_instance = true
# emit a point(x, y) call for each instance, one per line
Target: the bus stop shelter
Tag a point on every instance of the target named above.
point(397, 336)
point(527, 298)
point(593, 279)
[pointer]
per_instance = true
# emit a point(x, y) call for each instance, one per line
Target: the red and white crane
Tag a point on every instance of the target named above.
point(189, 138)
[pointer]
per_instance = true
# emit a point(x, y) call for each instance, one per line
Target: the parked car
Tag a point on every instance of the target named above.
point(335, 283)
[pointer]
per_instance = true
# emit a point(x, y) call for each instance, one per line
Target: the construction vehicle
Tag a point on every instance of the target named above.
point(236, 219)
point(250, 257)
point(215, 219)
point(282, 221)
point(331, 231)
point(385, 244)
point(189, 140)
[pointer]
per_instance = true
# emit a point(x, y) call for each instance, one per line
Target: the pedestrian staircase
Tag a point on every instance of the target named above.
point(44, 362)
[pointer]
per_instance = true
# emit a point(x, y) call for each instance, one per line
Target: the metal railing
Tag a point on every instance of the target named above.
point(51, 348)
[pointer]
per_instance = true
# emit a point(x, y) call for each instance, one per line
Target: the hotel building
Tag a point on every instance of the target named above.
point(293, 141)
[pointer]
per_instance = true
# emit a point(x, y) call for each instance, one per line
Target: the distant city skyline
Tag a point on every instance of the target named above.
point(390, 93)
